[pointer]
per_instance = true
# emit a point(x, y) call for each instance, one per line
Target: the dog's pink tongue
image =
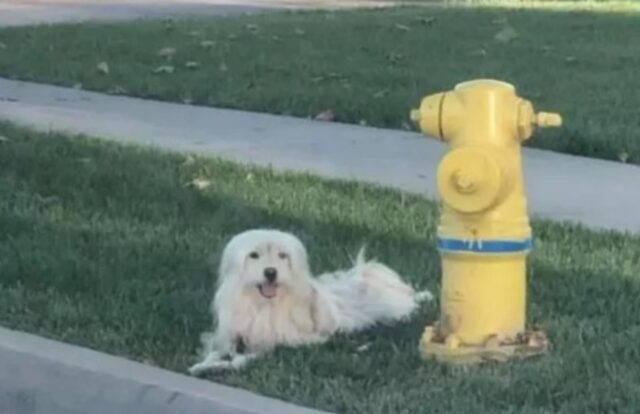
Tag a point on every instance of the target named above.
point(268, 290)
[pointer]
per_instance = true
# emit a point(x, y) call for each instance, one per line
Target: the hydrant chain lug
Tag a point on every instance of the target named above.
point(484, 235)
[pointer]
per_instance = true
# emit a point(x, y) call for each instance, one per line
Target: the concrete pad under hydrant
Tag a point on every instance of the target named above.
point(598, 194)
point(40, 376)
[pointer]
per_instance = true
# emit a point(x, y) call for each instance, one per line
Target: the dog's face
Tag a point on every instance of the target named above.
point(268, 266)
point(269, 262)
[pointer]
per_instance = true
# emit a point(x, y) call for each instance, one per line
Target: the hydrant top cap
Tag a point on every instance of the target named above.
point(486, 82)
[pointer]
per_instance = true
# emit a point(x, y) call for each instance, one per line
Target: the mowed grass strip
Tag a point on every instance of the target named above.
point(367, 67)
point(115, 247)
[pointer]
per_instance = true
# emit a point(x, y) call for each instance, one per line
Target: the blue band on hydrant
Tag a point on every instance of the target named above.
point(485, 246)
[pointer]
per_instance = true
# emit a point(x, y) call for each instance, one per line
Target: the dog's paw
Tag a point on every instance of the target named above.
point(198, 369)
point(212, 365)
point(208, 364)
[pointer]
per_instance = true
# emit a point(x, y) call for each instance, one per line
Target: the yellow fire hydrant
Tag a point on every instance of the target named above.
point(484, 235)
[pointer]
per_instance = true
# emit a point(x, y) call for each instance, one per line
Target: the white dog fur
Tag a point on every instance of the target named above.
point(266, 297)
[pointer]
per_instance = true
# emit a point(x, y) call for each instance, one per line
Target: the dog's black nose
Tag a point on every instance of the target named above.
point(270, 273)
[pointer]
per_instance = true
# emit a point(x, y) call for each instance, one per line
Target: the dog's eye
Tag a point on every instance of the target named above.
point(254, 255)
point(283, 255)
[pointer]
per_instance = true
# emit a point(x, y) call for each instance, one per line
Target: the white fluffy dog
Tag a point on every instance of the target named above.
point(266, 297)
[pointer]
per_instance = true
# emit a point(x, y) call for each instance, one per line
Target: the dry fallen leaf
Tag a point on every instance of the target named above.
point(164, 69)
point(537, 339)
point(403, 199)
point(506, 35)
point(192, 64)
point(501, 21)
point(167, 52)
point(427, 20)
point(189, 160)
point(395, 57)
point(103, 67)
point(327, 115)
point(381, 93)
point(364, 347)
point(207, 44)
point(403, 27)
point(200, 183)
point(168, 25)
point(492, 342)
point(479, 52)
point(117, 90)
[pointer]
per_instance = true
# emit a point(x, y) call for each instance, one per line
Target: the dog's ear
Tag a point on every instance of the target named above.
point(231, 262)
point(299, 260)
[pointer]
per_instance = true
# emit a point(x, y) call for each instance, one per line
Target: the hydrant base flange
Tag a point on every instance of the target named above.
point(529, 344)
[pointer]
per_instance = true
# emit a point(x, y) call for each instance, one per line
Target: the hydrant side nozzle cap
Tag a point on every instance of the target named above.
point(428, 115)
point(548, 119)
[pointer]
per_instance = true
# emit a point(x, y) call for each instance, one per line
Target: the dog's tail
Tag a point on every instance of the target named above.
point(361, 262)
point(360, 259)
point(370, 292)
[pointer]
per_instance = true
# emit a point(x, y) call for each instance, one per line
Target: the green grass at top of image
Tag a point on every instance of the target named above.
point(113, 248)
point(369, 67)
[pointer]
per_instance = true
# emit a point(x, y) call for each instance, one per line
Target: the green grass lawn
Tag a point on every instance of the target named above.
point(110, 247)
point(366, 66)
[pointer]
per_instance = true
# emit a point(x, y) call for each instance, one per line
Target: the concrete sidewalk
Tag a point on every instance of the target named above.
point(25, 12)
point(596, 193)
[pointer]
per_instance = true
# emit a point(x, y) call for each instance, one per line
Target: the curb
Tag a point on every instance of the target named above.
point(41, 376)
